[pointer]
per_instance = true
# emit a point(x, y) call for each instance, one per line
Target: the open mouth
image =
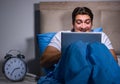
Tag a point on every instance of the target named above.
point(83, 29)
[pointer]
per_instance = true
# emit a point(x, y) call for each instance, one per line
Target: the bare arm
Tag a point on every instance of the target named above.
point(114, 55)
point(50, 57)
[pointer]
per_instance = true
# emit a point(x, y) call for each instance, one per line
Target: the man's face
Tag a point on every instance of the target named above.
point(82, 23)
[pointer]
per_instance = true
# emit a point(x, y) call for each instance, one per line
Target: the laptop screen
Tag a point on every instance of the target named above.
point(69, 37)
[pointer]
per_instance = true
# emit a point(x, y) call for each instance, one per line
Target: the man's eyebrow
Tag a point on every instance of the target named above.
point(88, 19)
point(78, 19)
point(81, 19)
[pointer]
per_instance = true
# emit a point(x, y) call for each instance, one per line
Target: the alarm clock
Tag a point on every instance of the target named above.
point(14, 67)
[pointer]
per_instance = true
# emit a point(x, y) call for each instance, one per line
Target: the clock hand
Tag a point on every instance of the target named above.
point(14, 70)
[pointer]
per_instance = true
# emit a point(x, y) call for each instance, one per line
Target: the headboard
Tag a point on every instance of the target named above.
point(56, 16)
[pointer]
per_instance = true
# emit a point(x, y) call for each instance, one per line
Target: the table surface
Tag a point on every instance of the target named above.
point(27, 80)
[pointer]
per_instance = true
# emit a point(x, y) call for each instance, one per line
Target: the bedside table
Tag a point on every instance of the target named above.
point(27, 80)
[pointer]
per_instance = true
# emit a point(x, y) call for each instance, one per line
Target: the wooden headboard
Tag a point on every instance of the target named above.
point(56, 16)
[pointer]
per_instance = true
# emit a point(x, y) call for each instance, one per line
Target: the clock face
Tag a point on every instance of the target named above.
point(15, 69)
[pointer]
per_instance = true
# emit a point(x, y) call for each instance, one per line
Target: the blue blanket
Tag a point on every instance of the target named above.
point(84, 63)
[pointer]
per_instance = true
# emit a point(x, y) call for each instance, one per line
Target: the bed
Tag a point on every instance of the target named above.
point(56, 16)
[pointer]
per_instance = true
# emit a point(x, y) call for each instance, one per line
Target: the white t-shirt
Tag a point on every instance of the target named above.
point(56, 40)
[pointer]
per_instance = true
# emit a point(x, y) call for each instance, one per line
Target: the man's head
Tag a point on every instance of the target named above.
point(82, 18)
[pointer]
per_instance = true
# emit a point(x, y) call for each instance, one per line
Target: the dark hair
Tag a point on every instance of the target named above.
point(83, 11)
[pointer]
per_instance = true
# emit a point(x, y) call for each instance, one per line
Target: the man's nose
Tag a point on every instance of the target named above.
point(83, 25)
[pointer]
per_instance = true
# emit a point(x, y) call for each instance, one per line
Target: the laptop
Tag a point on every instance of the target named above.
point(69, 37)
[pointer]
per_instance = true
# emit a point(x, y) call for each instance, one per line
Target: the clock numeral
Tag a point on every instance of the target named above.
point(15, 76)
point(8, 65)
point(21, 72)
point(19, 75)
point(11, 62)
point(11, 74)
point(8, 72)
point(6, 68)
point(23, 68)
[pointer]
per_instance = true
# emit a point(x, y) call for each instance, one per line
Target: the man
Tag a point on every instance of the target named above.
point(82, 21)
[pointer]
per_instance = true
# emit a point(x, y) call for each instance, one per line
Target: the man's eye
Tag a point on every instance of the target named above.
point(78, 22)
point(88, 22)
